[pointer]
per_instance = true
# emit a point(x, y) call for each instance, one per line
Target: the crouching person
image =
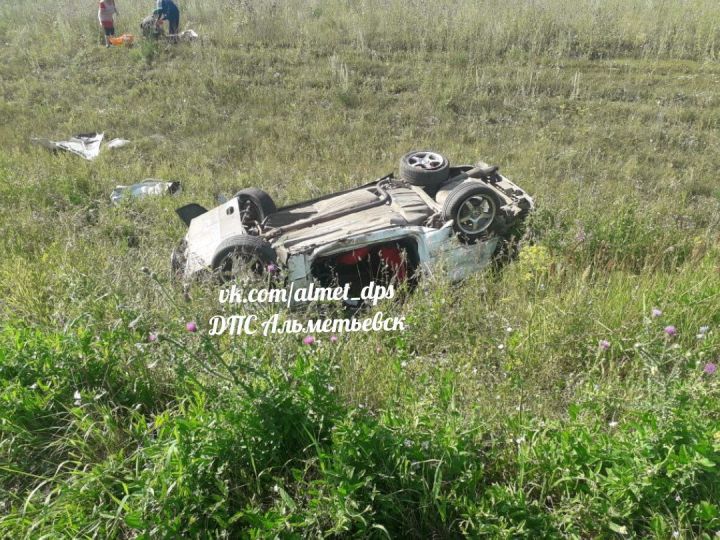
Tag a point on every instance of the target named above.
point(149, 27)
point(167, 10)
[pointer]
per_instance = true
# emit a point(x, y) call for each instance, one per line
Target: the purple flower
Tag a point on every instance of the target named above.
point(604, 344)
point(710, 368)
point(333, 339)
point(308, 340)
point(272, 268)
point(670, 331)
point(191, 326)
point(655, 313)
point(152, 336)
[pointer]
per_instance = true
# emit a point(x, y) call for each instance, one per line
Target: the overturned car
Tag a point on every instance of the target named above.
point(432, 216)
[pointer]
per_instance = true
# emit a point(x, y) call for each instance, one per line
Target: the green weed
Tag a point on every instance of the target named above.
point(544, 398)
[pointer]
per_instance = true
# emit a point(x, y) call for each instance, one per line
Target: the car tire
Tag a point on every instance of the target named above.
point(424, 168)
point(255, 205)
point(253, 255)
point(474, 209)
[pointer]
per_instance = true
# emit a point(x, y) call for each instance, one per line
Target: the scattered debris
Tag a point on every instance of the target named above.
point(125, 39)
point(188, 35)
point(86, 145)
point(117, 143)
point(148, 187)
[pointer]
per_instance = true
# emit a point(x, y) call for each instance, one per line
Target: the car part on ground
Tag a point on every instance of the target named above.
point(146, 188)
point(117, 143)
point(390, 228)
point(188, 35)
point(85, 145)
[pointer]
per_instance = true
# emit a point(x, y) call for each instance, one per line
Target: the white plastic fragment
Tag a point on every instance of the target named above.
point(188, 35)
point(85, 145)
point(117, 143)
point(149, 187)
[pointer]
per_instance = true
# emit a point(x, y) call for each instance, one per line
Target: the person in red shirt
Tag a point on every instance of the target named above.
point(107, 10)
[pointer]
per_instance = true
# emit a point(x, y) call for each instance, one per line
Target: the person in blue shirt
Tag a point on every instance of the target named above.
point(167, 10)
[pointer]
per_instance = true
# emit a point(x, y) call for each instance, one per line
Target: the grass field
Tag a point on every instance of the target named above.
point(549, 399)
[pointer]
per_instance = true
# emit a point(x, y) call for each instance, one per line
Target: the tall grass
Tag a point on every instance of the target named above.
point(494, 28)
point(541, 399)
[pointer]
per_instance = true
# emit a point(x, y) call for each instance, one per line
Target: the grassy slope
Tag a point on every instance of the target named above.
point(607, 113)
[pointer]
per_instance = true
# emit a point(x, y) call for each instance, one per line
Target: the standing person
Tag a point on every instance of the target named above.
point(106, 11)
point(167, 10)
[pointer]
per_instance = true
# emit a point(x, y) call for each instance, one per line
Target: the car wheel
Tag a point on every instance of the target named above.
point(255, 205)
point(424, 168)
point(473, 208)
point(243, 257)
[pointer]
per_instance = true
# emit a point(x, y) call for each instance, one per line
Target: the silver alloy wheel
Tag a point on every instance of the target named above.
point(428, 161)
point(476, 213)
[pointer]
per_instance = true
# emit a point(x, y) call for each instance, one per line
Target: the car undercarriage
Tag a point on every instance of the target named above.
point(394, 229)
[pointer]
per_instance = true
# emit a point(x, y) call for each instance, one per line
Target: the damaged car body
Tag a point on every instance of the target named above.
point(431, 217)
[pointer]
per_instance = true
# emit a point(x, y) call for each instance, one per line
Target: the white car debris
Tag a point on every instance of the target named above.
point(148, 187)
point(85, 145)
